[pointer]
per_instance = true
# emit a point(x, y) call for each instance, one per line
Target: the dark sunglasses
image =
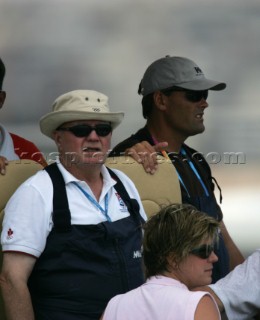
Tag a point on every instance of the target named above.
point(204, 251)
point(196, 96)
point(190, 95)
point(83, 130)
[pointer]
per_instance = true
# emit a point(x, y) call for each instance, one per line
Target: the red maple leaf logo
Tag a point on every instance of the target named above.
point(10, 233)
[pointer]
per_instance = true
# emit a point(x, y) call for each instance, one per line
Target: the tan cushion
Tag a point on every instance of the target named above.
point(157, 190)
point(17, 172)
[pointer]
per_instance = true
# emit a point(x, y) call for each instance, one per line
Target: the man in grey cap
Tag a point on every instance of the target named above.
point(175, 92)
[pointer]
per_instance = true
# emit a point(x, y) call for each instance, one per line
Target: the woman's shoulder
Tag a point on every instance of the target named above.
point(207, 309)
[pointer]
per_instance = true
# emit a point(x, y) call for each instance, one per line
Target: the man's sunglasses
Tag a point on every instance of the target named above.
point(204, 251)
point(83, 130)
point(190, 95)
point(196, 96)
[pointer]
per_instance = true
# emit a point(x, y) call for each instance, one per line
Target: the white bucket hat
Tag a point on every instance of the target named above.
point(79, 105)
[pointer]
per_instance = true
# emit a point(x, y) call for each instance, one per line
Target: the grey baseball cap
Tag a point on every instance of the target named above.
point(179, 72)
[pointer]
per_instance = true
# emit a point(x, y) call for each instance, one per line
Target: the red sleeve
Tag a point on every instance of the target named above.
point(25, 149)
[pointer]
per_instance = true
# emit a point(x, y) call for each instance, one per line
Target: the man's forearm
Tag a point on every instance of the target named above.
point(235, 255)
point(17, 303)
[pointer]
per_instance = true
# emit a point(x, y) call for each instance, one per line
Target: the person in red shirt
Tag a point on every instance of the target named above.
point(12, 146)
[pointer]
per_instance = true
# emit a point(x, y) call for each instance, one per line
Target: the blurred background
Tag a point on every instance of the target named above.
point(54, 46)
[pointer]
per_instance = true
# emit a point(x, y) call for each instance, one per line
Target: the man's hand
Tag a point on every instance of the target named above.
point(146, 154)
point(3, 164)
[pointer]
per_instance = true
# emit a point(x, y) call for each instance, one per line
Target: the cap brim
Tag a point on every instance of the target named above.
point(202, 84)
point(51, 121)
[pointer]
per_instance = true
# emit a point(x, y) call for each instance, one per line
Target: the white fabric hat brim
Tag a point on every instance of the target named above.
point(51, 121)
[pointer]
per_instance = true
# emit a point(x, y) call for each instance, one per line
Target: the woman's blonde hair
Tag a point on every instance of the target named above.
point(173, 232)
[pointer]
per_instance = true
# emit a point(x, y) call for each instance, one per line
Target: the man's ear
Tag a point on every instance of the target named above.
point(2, 98)
point(159, 100)
point(56, 137)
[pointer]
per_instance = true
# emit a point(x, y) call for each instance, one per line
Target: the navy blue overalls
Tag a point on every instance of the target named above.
point(83, 266)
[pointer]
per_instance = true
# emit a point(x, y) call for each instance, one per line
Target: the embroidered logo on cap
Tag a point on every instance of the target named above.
point(96, 109)
point(198, 71)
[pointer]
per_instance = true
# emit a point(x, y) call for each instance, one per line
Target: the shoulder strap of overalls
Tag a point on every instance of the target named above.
point(61, 211)
point(132, 204)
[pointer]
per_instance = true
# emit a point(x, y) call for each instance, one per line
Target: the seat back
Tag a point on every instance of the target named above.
point(157, 190)
point(17, 171)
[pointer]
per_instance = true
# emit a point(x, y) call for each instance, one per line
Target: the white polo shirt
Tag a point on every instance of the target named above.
point(28, 214)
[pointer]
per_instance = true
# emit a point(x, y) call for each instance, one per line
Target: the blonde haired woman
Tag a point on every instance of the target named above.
point(178, 252)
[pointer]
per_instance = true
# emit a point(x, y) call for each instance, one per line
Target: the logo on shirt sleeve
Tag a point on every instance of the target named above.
point(10, 234)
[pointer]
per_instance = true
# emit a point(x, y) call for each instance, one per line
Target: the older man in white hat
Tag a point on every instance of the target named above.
point(71, 233)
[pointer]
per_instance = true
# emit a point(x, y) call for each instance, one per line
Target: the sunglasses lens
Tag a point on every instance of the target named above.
point(196, 96)
point(203, 252)
point(84, 130)
point(81, 131)
point(103, 130)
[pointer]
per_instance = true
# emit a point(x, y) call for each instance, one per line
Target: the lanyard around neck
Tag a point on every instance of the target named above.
point(183, 152)
point(191, 165)
point(94, 202)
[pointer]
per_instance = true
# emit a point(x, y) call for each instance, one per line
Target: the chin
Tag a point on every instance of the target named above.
point(93, 161)
point(197, 131)
point(95, 158)
point(208, 281)
point(201, 130)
